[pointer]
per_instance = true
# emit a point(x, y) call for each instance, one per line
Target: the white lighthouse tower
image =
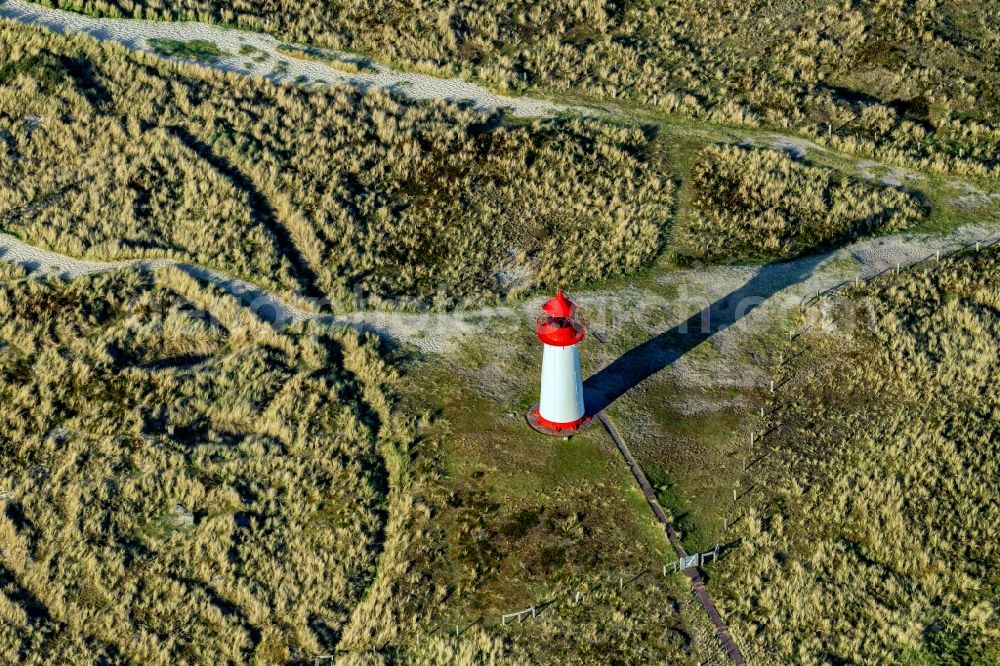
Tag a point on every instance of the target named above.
point(560, 410)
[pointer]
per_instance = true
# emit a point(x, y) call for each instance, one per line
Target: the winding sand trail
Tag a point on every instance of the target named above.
point(428, 331)
point(778, 289)
point(134, 34)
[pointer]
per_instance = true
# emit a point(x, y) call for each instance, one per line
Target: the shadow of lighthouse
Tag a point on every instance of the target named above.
point(638, 364)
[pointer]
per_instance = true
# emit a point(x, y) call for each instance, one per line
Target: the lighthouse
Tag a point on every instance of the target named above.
point(560, 410)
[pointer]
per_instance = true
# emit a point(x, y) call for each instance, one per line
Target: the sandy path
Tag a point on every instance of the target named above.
point(770, 291)
point(43, 262)
point(428, 331)
point(134, 34)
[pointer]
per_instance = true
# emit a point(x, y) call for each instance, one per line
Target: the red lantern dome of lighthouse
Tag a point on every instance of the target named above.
point(559, 326)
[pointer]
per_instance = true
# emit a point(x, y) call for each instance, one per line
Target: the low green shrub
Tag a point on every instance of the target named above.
point(193, 49)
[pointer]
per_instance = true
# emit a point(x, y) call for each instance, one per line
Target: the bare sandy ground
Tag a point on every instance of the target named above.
point(135, 34)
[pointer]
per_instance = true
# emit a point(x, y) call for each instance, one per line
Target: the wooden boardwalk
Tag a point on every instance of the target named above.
point(697, 582)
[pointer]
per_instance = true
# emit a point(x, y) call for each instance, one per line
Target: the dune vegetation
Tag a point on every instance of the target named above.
point(758, 205)
point(330, 192)
point(905, 81)
point(874, 537)
point(10, 271)
point(181, 483)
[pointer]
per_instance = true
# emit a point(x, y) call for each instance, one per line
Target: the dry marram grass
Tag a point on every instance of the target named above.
point(180, 482)
point(331, 192)
point(912, 82)
point(880, 545)
point(754, 205)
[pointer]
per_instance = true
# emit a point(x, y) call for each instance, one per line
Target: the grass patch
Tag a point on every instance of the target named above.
point(687, 456)
point(199, 50)
point(529, 517)
point(42, 67)
point(351, 65)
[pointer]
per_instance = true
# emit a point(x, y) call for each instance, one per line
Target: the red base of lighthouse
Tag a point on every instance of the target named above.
point(546, 427)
